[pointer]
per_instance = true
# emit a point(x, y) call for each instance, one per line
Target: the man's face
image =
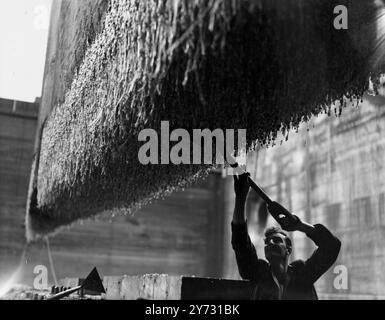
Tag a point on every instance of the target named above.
point(275, 246)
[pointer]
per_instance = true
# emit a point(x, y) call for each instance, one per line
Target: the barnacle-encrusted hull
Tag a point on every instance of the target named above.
point(261, 65)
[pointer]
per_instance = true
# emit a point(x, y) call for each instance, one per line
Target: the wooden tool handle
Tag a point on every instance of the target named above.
point(253, 185)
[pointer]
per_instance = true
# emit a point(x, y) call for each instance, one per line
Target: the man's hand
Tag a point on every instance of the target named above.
point(288, 221)
point(241, 186)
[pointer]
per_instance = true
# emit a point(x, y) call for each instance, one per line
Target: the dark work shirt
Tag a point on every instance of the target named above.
point(301, 274)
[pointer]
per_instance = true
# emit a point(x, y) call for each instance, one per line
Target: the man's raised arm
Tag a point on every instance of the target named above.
point(328, 245)
point(249, 266)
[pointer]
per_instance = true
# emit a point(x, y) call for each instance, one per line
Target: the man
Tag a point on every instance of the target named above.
point(277, 279)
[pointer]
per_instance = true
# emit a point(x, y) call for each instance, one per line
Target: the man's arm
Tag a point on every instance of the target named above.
point(249, 266)
point(328, 245)
point(324, 256)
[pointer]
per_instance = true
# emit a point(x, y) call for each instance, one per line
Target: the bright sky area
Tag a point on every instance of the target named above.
point(23, 40)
